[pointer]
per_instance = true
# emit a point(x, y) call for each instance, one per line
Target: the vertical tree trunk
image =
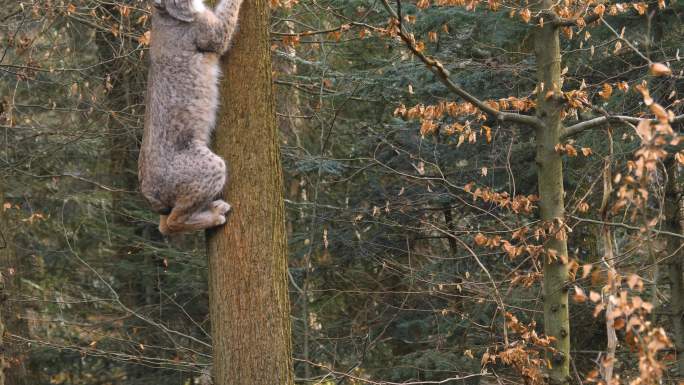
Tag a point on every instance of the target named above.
point(550, 179)
point(13, 356)
point(674, 212)
point(606, 244)
point(4, 247)
point(248, 292)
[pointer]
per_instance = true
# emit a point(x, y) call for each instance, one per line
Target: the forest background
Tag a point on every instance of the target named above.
point(416, 138)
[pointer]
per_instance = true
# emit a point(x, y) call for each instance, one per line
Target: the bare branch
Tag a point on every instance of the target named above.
point(443, 75)
point(627, 42)
point(600, 121)
point(626, 226)
point(371, 382)
point(588, 19)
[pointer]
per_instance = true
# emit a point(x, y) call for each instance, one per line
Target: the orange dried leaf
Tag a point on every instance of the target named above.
point(618, 46)
point(594, 296)
point(640, 7)
point(634, 281)
point(660, 69)
point(647, 306)
point(480, 239)
point(680, 157)
point(559, 148)
point(622, 86)
point(428, 127)
point(335, 35)
point(659, 112)
point(579, 295)
point(583, 207)
point(606, 92)
point(567, 32)
point(422, 4)
point(644, 130)
point(144, 39)
point(526, 15)
point(600, 9)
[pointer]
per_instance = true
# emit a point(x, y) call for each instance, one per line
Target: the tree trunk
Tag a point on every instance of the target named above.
point(248, 291)
point(674, 212)
point(606, 239)
point(13, 356)
point(4, 247)
point(551, 205)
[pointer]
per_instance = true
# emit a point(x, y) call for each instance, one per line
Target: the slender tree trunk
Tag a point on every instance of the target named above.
point(4, 246)
point(248, 292)
point(550, 179)
point(606, 240)
point(13, 356)
point(674, 212)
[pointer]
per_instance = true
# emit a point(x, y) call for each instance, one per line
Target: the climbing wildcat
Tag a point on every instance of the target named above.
point(179, 175)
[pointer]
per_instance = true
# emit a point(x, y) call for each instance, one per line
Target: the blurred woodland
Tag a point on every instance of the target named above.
point(416, 139)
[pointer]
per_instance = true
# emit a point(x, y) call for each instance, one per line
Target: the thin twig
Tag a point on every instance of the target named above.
point(625, 226)
point(600, 121)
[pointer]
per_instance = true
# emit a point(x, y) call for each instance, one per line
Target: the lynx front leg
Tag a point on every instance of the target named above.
point(215, 29)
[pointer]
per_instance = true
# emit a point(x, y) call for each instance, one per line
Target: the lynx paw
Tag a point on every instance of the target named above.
point(220, 207)
point(220, 220)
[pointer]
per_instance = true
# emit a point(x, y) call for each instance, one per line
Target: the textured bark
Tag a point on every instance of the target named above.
point(551, 205)
point(674, 212)
point(291, 126)
point(13, 356)
point(606, 240)
point(248, 294)
point(4, 247)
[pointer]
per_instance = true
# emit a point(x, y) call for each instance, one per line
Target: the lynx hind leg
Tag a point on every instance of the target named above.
point(211, 172)
point(185, 220)
point(163, 227)
point(204, 174)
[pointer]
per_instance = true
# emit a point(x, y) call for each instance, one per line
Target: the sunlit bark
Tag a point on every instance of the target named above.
point(248, 294)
